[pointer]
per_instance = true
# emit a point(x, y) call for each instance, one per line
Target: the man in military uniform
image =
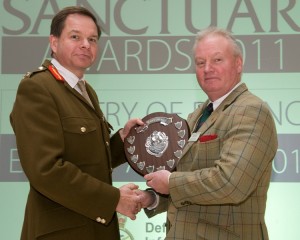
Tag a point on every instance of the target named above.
point(64, 141)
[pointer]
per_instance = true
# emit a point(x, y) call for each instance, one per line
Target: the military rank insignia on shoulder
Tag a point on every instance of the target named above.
point(40, 69)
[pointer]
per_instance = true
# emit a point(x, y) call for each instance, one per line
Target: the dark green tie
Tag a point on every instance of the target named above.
point(206, 113)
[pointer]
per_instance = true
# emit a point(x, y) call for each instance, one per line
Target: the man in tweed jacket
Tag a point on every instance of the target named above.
point(219, 190)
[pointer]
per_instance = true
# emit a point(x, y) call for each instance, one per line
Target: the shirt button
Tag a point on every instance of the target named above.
point(107, 144)
point(83, 129)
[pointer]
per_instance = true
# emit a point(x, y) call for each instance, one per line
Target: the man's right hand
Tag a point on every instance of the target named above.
point(129, 203)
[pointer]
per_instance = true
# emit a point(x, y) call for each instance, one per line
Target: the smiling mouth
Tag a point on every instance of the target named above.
point(210, 78)
point(84, 56)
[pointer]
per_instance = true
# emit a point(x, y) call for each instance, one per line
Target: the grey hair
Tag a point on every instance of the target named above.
point(219, 32)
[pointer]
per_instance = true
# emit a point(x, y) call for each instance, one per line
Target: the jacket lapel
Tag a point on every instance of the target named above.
point(93, 98)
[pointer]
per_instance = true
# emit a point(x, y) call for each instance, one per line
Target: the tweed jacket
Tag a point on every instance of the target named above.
point(219, 190)
point(67, 154)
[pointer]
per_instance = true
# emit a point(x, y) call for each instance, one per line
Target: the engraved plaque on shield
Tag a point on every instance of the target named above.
point(158, 145)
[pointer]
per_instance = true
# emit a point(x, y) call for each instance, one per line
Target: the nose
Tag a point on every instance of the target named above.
point(207, 67)
point(85, 44)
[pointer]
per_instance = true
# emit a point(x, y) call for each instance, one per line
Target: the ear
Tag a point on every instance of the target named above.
point(239, 64)
point(53, 43)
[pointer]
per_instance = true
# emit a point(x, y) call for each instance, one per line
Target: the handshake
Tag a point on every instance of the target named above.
point(132, 199)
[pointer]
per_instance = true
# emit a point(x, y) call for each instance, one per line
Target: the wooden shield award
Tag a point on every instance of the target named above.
point(158, 144)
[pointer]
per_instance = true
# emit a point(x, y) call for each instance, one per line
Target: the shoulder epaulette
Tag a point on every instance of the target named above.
point(51, 68)
point(40, 69)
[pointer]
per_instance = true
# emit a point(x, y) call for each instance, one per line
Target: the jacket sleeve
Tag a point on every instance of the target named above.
point(162, 206)
point(117, 150)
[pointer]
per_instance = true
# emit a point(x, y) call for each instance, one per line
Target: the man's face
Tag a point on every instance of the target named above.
point(76, 48)
point(217, 69)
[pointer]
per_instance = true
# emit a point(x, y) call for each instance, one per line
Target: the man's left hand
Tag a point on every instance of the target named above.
point(131, 123)
point(159, 181)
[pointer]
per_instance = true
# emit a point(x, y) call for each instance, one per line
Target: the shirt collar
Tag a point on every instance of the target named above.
point(69, 77)
point(221, 99)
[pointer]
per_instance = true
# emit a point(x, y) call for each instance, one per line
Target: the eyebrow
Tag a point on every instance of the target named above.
point(214, 55)
point(77, 31)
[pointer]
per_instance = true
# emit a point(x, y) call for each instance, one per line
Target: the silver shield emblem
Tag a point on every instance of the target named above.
point(157, 143)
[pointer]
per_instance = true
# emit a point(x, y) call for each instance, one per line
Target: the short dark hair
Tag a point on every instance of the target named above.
point(58, 22)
